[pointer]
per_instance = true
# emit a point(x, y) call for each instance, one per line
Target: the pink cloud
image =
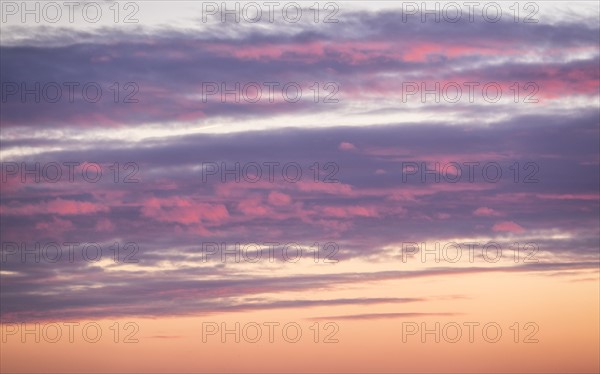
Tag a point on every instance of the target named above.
point(345, 146)
point(57, 226)
point(486, 212)
point(508, 226)
point(253, 207)
point(67, 207)
point(310, 51)
point(57, 206)
point(591, 197)
point(104, 225)
point(279, 199)
point(339, 189)
point(420, 52)
point(184, 211)
point(356, 211)
point(334, 226)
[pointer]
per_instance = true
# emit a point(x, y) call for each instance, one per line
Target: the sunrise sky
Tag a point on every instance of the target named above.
point(405, 187)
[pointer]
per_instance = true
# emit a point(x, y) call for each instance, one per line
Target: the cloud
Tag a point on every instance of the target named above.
point(183, 211)
point(369, 58)
point(486, 212)
point(345, 146)
point(57, 206)
point(182, 292)
point(104, 225)
point(508, 226)
point(56, 226)
point(362, 197)
point(279, 199)
point(372, 316)
point(347, 212)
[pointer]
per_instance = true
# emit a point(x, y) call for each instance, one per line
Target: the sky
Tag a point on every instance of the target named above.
point(343, 187)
